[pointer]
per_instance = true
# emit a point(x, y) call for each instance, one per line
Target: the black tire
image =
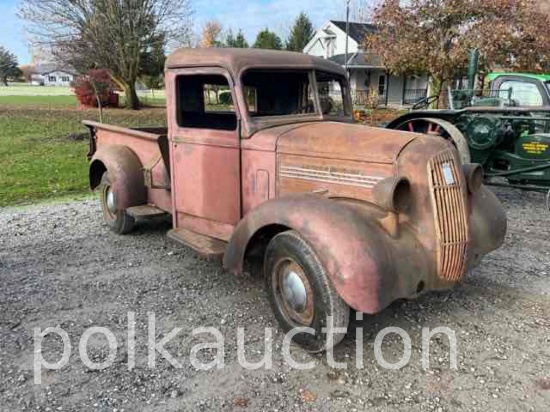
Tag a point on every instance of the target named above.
point(119, 221)
point(287, 256)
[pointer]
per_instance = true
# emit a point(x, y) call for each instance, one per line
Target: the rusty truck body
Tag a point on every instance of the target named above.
point(260, 165)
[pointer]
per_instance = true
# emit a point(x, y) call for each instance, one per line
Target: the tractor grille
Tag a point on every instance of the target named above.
point(447, 189)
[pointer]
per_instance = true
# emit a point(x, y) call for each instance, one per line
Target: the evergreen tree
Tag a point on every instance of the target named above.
point(8, 66)
point(268, 40)
point(301, 33)
point(240, 41)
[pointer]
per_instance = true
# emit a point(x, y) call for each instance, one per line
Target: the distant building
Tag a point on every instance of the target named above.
point(366, 73)
point(52, 75)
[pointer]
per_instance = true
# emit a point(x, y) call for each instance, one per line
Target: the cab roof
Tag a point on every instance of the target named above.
point(238, 60)
point(541, 77)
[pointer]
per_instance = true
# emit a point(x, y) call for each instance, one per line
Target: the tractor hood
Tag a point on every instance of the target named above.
point(343, 141)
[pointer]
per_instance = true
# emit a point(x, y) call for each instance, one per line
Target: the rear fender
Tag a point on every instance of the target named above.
point(125, 173)
point(353, 249)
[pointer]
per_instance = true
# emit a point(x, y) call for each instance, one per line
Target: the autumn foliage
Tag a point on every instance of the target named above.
point(434, 36)
point(96, 80)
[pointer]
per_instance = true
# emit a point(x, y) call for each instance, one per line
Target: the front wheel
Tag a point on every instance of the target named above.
point(301, 294)
point(119, 221)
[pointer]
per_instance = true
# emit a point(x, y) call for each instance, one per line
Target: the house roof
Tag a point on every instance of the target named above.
point(47, 68)
point(357, 31)
point(362, 60)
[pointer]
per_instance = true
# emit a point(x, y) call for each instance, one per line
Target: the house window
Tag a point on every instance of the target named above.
point(382, 85)
point(52, 79)
point(65, 79)
point(205, 102)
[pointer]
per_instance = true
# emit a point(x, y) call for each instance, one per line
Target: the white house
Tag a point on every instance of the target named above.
point(52, 75)
point(366, 73)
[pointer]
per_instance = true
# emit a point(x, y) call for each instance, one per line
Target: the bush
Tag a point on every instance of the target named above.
point(373, 99)
point(85, 92)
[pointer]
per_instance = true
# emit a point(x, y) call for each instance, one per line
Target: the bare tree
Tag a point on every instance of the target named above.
point(112, 34)
point(361, 11)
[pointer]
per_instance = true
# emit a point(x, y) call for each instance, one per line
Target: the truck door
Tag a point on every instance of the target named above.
point(204, 150)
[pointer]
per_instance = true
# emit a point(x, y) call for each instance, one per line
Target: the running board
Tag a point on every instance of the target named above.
point(206, 246)
point(145, 211)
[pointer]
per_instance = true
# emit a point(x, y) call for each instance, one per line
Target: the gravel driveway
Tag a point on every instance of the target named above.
point(60, 266)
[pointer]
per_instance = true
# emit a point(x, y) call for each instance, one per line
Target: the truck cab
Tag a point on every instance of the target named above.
point(262, 167)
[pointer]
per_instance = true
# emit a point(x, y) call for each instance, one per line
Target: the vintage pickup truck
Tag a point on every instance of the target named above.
point(261, 166)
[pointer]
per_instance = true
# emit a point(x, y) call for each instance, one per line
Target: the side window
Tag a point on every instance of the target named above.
point(331, 94)
point(204, 102)
point(525, 93)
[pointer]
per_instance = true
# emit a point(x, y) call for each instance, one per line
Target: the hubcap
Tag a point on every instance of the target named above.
point(108, 203)
point(293, 292)
point(110, 200)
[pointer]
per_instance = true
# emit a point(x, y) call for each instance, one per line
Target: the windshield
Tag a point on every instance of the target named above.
point(291, 92)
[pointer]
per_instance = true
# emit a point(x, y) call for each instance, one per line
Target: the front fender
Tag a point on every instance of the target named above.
point(488, 224)
point(125, 173)
point(356, 252)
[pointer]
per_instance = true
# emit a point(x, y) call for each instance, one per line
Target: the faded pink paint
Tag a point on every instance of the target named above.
point(308, 174)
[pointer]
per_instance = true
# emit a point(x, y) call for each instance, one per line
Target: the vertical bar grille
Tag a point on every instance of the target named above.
point(447, 189)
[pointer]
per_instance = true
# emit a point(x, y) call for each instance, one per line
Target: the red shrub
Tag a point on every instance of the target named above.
point(84, 89)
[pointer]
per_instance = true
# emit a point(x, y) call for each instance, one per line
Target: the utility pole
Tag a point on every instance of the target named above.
point(347, 37)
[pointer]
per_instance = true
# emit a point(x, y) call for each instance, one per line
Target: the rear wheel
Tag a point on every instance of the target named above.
point(119, 221)
point(301, 294)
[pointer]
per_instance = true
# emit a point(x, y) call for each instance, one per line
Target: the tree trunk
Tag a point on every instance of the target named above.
point(437, 84)
point(132, 100)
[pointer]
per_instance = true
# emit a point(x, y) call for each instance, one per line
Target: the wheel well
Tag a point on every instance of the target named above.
point(97, 168)
point(257, 245)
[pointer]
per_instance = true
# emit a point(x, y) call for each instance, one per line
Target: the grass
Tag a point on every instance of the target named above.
point(40, 101)
point(39, 156)
point(22, 89)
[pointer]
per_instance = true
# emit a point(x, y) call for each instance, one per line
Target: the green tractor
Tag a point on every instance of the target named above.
point(505, 128)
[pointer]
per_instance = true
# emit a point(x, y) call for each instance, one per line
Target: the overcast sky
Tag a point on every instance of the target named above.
point(249, 15)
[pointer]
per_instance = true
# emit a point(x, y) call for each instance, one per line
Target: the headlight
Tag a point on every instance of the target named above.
point(393, 194)
point(473, 173)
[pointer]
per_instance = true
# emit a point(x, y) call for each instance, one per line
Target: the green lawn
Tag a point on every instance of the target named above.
point(39, 101)
point(38, 156)
point(22, 89)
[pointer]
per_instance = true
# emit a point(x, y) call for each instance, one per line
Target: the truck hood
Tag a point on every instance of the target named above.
point(343, 141)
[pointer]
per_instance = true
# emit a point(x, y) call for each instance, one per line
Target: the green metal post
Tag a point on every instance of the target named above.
point(473, 61)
